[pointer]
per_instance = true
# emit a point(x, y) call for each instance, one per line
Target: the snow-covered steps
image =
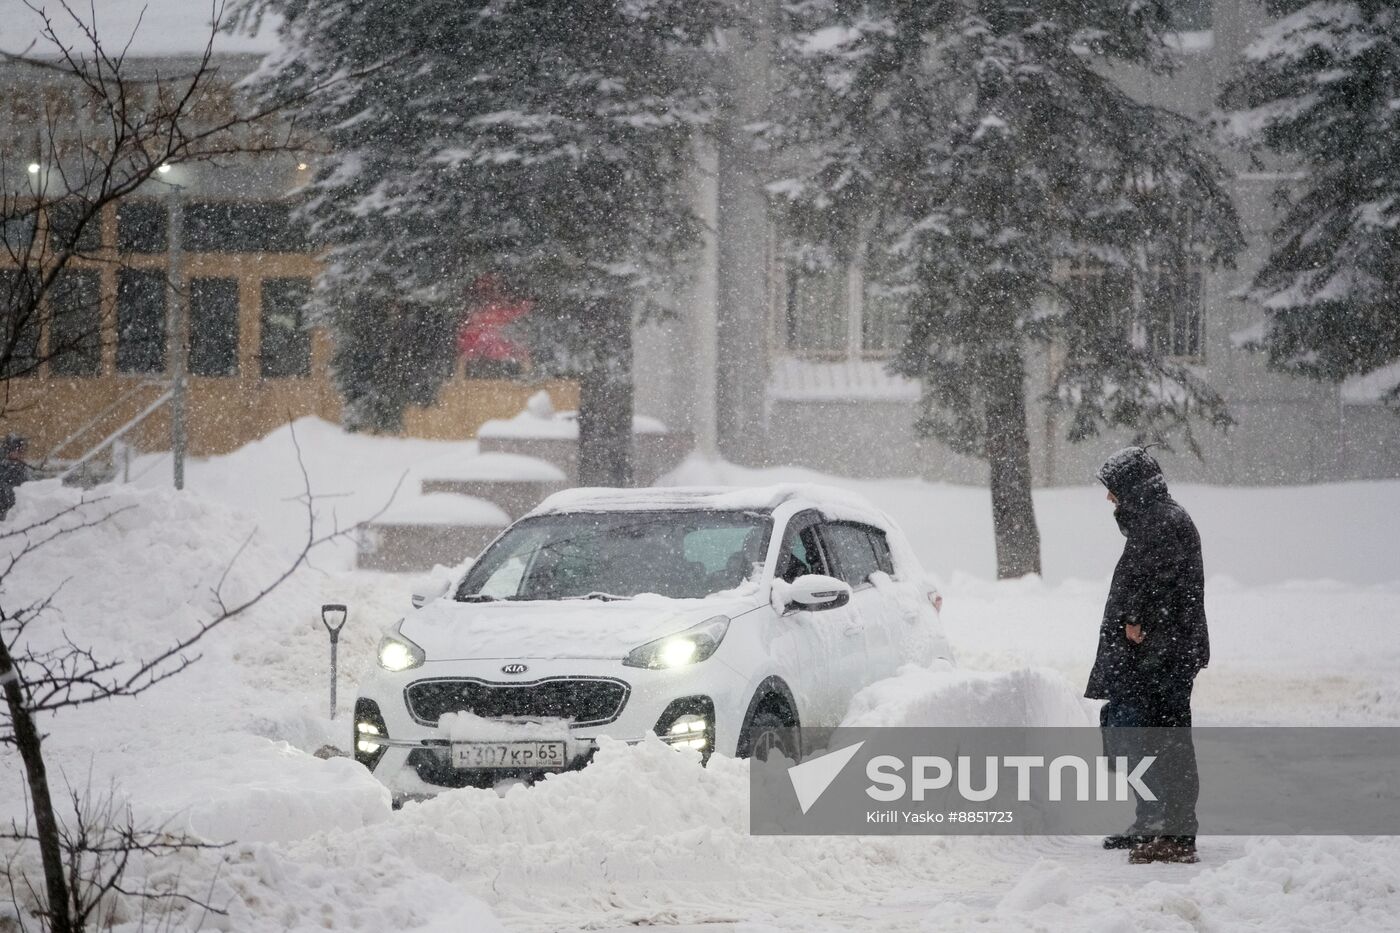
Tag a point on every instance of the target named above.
point(514, 482)
point(423, 530)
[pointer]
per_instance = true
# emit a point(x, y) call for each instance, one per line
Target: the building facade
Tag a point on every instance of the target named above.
point(254, 360)
point(799, 361)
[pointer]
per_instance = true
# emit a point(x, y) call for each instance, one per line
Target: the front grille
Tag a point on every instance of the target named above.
point(582, 701)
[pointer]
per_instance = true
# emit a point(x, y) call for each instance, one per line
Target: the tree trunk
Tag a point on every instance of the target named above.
point(30, 745)
point(1009, 456)
point(605, 408)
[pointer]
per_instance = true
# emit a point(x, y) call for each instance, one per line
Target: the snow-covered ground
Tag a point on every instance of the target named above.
point(1303, 597)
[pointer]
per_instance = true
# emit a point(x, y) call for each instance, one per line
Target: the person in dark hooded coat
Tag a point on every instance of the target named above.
point(1153, 642)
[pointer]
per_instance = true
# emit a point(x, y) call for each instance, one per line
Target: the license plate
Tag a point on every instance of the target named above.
point(527, 755)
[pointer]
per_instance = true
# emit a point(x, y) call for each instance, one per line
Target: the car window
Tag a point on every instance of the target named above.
point(802, 551)
point(682, 554)
point(853, 551)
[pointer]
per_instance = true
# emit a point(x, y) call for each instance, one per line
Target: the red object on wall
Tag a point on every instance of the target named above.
point(491, 309)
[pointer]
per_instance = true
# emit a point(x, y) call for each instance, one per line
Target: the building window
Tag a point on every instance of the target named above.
point(213, 327)
point(815, 312)
point(141, 321)
point(1161, 311)
point(827, 315)
point(242, 227)
point(1173, 307)
point(285, 343)
point(75, 324)
point(21, 324)
point(17, 230)
point(64, 218)
point(141, 227)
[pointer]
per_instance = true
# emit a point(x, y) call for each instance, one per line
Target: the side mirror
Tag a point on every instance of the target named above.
point(815, 592)
point(430, 589)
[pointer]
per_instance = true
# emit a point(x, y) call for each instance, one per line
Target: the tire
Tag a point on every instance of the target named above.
point(771, 730)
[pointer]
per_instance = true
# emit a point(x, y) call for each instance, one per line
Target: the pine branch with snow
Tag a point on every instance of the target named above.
point(1320, 89)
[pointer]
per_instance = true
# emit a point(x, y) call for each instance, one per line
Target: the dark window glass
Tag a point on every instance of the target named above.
point(17, 230)
point(802, 551)
point(214, 327)
point(285, 341)
point(683, 554)
point(64, 218)
point(21, 323)
point(75, 324)
point(855, 555)
point(141, 321)
point(141, 227)
point(241, 227)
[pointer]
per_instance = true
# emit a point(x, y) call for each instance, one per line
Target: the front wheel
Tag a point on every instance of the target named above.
point(769, 732)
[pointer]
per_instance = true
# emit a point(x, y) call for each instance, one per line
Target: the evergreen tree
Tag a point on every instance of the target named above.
point(544, 142)
point(973, 148)
point(1320, 88)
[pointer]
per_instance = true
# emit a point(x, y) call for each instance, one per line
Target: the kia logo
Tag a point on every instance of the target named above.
point(514, 669)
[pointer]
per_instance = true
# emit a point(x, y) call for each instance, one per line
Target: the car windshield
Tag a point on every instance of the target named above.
point(615, 555)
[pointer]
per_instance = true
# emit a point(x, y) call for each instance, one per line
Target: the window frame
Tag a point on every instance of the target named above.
point(802, 522)
point(870, 534)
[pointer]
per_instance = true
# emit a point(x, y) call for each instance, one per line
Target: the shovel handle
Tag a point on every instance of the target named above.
point(327, 609)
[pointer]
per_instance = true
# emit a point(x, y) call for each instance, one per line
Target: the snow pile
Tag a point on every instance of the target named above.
point(941, 696)
point(352, 476)
point(643, 836)
point(1309, 883)
point(208, 748)
point(539, 419)
point(443, 508)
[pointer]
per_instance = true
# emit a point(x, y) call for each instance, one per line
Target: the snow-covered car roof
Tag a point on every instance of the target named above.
point(828, 499)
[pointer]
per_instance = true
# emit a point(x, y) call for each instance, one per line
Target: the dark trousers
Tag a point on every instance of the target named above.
point(1160, 727)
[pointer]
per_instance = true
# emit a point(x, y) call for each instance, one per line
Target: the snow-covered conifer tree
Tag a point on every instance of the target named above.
point(974, 150)
point(1320, 88)
point(544, 143)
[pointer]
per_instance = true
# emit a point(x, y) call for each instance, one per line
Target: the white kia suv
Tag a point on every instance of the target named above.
point(717, 619)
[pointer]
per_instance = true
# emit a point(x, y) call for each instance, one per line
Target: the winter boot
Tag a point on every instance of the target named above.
point(1170, 849)
point(1126, 840)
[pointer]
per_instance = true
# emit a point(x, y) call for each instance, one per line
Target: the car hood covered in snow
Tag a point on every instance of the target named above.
point(448, 630)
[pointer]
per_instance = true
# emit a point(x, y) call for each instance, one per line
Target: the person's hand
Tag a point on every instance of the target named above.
point(1134, 633)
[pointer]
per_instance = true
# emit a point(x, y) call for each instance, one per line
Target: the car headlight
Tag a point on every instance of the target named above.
point(397, 653)
point(691, 646)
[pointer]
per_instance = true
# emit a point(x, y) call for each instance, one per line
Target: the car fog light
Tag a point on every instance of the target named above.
point(367, 748)
point(367, 728)
point(688, 732)
point(687, 724)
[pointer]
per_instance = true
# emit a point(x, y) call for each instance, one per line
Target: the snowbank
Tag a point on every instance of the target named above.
point(942, 696)
point(208, 747)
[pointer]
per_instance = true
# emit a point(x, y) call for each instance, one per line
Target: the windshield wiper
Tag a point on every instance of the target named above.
point(605, 597)
point(475, 598)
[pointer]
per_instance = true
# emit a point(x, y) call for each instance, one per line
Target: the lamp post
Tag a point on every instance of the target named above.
point(177, 327)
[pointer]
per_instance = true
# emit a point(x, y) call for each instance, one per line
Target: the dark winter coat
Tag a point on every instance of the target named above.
point(12, 473)
point(1159, 584)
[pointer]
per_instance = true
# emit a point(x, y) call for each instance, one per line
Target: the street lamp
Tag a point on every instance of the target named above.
point(33, 168)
